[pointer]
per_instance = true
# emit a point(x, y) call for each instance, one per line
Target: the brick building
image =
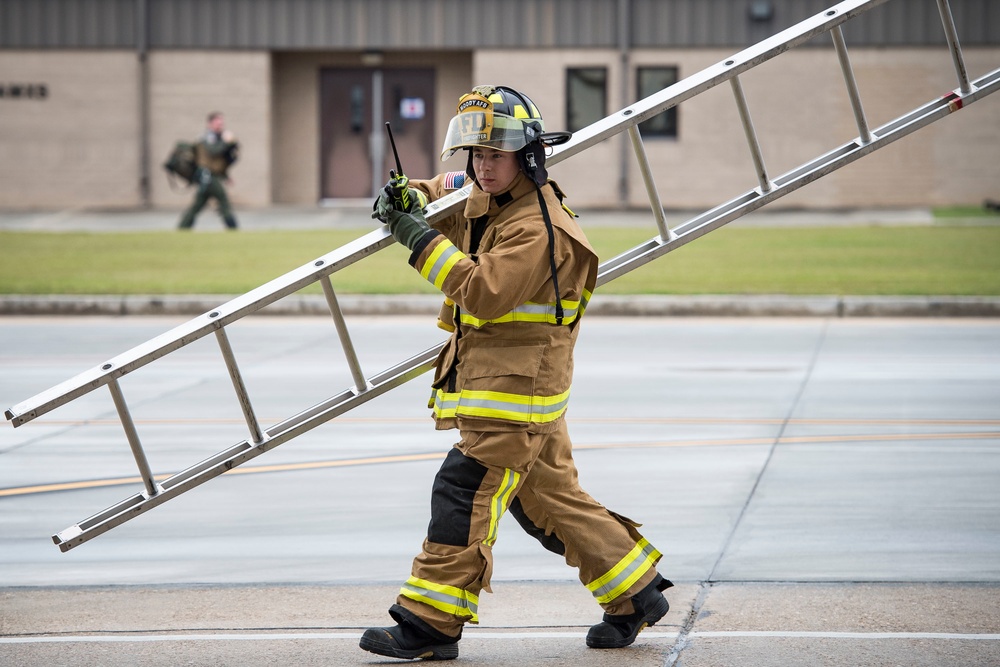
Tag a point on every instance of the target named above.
point(93, 94)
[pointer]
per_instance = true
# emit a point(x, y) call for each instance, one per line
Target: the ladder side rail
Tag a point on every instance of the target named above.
point(798, 177)
point(244, 451)
point(853, 92)
point(378, 239)
point(241, 391)
point(951, 36)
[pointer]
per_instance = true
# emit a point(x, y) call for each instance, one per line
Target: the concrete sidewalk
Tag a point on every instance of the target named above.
point(529, 624)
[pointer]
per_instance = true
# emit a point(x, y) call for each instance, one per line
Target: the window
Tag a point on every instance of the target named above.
point(651, 80)
point(586, 96)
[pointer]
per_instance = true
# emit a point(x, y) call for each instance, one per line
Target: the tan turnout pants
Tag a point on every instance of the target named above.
point(532, 475)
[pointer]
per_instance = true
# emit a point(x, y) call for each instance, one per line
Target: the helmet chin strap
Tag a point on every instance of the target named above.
point(532, 161)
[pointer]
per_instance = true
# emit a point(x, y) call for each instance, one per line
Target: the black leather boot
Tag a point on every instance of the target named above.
point(620, 631)
point(409, 639)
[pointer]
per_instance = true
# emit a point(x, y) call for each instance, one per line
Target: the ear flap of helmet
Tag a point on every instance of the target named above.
point(532, 161)
point(532, 156)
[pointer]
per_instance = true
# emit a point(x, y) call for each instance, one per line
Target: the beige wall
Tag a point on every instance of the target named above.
point(80, 146)
point(800, 110)
point(185, 86)
point(296, 112)
point(77, 147)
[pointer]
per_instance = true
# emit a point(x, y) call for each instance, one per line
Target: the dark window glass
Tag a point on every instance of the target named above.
point(586, 96)
point(651, 80)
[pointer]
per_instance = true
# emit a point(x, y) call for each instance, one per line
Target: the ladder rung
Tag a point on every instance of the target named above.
point(951, 35)
point(751, 134)
point(647, 179)
point(133, 437)
point(241, 390)
point(852, 85)
point(344, 334)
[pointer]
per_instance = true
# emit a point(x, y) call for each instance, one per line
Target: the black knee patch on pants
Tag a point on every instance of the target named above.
point(550, 542)
point(454, 490)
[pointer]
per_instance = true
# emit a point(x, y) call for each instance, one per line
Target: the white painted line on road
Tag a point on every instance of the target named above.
point(840, 635)
point(125, 638)
point(735, 634)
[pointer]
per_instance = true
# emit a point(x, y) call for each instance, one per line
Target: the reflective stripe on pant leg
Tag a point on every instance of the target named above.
point(499, 503)
point(448, 599)
point(628, 570)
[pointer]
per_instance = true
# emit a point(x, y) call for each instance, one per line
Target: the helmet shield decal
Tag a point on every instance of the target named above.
point(475, 119)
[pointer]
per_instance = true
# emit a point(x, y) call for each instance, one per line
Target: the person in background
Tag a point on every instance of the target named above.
point(215, 152)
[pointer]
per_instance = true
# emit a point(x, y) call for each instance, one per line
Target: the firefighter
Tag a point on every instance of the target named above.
point(516, 271)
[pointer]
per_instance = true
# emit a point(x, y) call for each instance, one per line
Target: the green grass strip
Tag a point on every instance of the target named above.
point(960, 260)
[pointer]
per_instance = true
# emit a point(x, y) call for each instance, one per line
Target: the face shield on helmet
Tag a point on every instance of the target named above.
point(493, 117)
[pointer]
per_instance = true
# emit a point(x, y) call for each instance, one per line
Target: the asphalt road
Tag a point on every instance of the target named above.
point(825, 492)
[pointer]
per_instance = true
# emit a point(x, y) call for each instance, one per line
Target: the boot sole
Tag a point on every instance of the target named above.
point(432, 652)
point(652, 618)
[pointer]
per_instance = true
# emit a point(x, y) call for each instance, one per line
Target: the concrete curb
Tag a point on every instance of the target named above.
point(607, 305)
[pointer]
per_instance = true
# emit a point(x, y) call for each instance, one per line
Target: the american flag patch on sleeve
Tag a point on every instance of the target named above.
point(453, 180)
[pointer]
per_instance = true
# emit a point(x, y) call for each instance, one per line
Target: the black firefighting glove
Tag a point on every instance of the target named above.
point(408, 227)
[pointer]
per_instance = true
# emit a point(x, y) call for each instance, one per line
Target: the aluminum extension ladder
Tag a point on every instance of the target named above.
point(365, 388)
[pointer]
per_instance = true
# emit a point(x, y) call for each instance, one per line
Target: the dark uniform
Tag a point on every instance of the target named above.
point(213, 157)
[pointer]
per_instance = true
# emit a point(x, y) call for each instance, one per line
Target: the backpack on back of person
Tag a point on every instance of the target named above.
point(181, 162)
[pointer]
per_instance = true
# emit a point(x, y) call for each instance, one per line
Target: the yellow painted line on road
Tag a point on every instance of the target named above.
point(285, 467)
point(406, 458)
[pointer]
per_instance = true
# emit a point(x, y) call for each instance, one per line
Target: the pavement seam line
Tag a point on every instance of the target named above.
point(770, 454)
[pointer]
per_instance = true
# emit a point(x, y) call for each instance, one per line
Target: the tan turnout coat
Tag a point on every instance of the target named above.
point(508, 364)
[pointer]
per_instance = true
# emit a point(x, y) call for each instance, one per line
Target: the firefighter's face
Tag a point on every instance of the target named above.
point(495, 170)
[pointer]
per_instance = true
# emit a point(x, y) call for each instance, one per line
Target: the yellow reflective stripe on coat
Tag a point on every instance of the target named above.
point(448, 599)
point(440, 262)
point(628, 571)
point(499, 405)
point(500, 502)
point(535, 312)
point(529, 312)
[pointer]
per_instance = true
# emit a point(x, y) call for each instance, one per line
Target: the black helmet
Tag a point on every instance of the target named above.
point(494, 117)
point(503, 119)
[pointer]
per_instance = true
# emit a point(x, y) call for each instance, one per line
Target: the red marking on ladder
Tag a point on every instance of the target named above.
point(954, 101)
